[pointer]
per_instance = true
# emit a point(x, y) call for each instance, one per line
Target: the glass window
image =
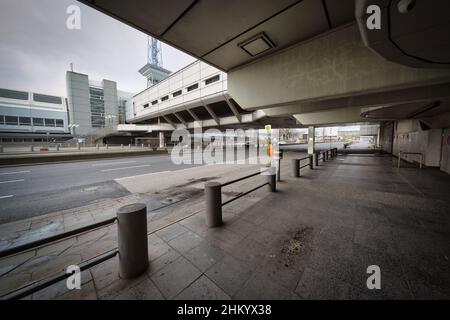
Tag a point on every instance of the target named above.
point(11, 121)
point(38, 122)
point(154, 102)
point(24, 121)
point(46, 98)
point(12, 94)
point(164, 98)
point(2, 120)
point(192, 87)
point(49, 122)
point(212, 79)
point(146, 105)
point(60, 123)
point(176, 93)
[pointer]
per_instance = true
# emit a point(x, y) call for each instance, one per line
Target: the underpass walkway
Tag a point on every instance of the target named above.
point(312, 239)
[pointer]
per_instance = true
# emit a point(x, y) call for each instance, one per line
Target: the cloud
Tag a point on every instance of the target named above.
point(36, 48)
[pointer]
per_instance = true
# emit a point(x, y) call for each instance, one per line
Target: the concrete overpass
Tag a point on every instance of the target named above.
point(320, 61)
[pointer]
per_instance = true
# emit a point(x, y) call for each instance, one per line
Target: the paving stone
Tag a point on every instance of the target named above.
point(174, 277)
point(87, 292)
point(204, 255)
point(229, 274)
point(203, 289)
point(171, 232)
point(186, 241)
point(261, 288)
point(145, 290)
point(167, 258)
point(318, 285)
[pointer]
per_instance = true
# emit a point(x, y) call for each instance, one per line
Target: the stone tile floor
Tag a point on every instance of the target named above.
point(312, 239)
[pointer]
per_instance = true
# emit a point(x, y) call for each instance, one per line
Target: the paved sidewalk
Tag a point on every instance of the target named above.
point(312, 239)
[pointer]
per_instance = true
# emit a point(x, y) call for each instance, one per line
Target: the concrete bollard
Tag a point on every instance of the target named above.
point(129, 146)
point(316, 158)
point(142, 145)
point(132, 240)
point(57, 147)
point(295, 168)
point(31, 148)
point(106, 145)
point(311, 161)
point(97, 146)
point(121, 146)
point(271, 179)
point(213, 202)
point(78, 146)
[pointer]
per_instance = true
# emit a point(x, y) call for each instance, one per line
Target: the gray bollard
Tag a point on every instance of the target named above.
point(295, 168)
point(97, 146)
point(57, 147)
point(311, 161)
point(31, 148)
point(129, 146)
point(132, 240)
point(142, 145)
point(106, 146)
point(316, 158)
point(121, 146)
point(213, 202)
point(271, 179)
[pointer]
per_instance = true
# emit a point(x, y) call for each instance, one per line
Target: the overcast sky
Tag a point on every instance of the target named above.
point(36, 48)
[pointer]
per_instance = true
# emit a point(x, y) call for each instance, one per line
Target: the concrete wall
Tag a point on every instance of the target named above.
point(336, 64)
point(409, 137)
point(386, 132)
point(79, 102)
point(111, 101)
point(445, 158)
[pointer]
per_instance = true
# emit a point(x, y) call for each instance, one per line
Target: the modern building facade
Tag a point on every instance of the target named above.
point(91, 105)
point(32, 117)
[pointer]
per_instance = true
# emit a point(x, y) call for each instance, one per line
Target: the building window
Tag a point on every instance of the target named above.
point(49, 122)
point(146, 105)
point(176, 93)
point(24, 121)
point(11, 121)
point(212, 79)
point(2, 120)
point(60, 123)
point(46, 98)
point(164, 98)
point(38, 122)
point(154, 102)
point(12, 94)
point(192, 87)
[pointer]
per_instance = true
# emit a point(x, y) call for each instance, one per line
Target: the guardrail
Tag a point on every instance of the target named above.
point(213, 195)
point(411, 153)
point(296, 167)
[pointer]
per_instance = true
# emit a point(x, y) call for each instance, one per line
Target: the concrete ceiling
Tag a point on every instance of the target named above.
point(215, 30)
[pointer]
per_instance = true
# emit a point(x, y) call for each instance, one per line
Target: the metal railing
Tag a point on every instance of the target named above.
point(400, 153)
point(213, 195)
point(296, 165)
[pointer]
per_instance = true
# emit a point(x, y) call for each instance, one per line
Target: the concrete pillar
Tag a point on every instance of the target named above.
point(132, 240)
point(162, 140)
point(311, 139)
point(213, 203)
point(295, 168)
point(378, 137)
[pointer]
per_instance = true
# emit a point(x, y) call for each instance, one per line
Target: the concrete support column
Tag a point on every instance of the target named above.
point(311, 139)
point(295, 168)
point(162, 140)
point(213, 203)
point(132, 240)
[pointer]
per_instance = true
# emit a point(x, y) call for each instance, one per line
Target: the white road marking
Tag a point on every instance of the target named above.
point(125, 168)
point(4, 197)
point(111, 163)
point(16, 172)
point(11, 181)
point(140, 175)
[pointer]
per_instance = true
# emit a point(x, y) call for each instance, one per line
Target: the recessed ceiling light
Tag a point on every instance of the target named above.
point(257, 44)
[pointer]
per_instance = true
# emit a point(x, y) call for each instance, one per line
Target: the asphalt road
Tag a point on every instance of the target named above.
point(33, 190)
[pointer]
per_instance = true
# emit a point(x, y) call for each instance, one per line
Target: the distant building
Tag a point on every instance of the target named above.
point(32, 117)
point(91, 105)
